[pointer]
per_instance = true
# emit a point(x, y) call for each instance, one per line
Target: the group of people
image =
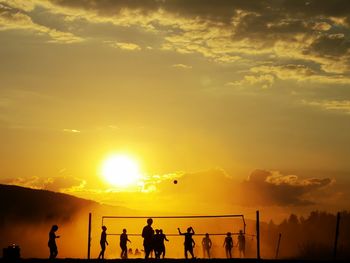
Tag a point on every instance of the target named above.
point(228, 244)
point(123, 243)
point(153, 241)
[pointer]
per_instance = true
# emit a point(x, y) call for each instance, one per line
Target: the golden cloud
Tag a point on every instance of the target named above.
point(330, 105)
point(124, 45)
point(58, 184)
point(71, 130)
point(274, 188)
point(11, 19)
point(182, 66)
point(226, 32)
point(300, 73)
point(264, 81)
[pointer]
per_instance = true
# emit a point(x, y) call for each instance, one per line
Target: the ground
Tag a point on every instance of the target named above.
point(68, 260)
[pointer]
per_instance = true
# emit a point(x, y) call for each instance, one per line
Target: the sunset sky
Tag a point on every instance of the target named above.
point(246, 103)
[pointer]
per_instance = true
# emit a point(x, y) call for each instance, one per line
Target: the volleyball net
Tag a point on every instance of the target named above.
point(233, 223)
point(217, 226)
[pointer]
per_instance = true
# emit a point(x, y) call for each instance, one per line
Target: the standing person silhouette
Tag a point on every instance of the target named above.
point(241, 244)
point(147, 234)
point(157, 244)
point(162, 245)
point(189, 242)
point(123, 244)
point(52, 242)
point(206, 243)
point(103, 243)
point(228, 244)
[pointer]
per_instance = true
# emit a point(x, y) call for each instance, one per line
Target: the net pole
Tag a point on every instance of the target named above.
point(336, 236)
point(244, 225)
point(258, 235)
point(89, 237)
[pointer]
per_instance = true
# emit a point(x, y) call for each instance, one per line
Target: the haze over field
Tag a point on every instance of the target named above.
point(245, 103)
point(27, 216)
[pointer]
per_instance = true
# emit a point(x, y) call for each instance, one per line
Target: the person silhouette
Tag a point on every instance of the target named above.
point(228, 244)
point(157, 244)
point(103, 242)
point(189, 242)
point(207, 244)
point(241, 244)
point(52, 242)
point(162, 245)
point(147, 234)
point(130, 252)
point(123, 244)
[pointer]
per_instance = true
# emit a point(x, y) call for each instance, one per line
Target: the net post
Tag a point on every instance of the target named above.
point(244, 225)
point(89, 237)
point(258, 235)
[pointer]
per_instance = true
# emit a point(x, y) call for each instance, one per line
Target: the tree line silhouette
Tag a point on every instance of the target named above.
point(310, 237)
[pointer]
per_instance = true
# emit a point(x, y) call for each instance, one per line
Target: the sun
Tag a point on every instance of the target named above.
point(121, 171)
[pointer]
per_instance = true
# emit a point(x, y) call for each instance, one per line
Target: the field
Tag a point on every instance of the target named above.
point(246, 260)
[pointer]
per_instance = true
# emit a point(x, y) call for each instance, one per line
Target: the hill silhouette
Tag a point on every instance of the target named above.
point(26, 216)
point(26, 205)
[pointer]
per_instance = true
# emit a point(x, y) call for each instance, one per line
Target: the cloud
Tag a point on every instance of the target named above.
point(61, 183)
point(321, 26)
point(71, 130)
point(26, 6)
point(212, 189)
point(124, 45)
point(220, 10)
point(331, 46)
point(299, 72)
point(227, 31)
point(15, 19)
point(264, 81)
point(261, 188)
point(273, 188)
point(330, 105)
point(182, 66)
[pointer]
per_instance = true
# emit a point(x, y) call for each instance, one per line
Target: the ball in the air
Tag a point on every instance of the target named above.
point(175, 181)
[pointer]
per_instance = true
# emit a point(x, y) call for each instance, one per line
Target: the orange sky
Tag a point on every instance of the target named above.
point(232, 98)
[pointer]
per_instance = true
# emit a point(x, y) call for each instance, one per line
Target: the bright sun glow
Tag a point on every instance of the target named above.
point(121, 170)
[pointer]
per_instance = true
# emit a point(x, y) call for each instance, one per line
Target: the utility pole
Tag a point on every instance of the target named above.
point(336, 236)
point(278, 245)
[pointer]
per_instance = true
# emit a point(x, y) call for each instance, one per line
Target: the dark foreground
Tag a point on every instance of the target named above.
point(246, 260)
